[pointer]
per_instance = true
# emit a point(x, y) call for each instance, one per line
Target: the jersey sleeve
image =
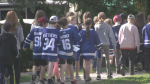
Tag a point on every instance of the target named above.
point(76, 36)
point(79, 46)
point(58, 41)
point(29, 39)
point(143, 32)
point(97, 41)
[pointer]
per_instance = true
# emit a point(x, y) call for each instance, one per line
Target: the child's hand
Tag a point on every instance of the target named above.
point(31, 48)
point(24, 49)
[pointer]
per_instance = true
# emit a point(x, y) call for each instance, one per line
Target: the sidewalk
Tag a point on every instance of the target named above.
point(94, 75)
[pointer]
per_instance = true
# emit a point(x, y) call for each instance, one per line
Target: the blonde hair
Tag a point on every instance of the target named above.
point(38, 15)
point(95, 19)
point(109, 21)
point(71, 18)
point(13, 19)
point(101, 17)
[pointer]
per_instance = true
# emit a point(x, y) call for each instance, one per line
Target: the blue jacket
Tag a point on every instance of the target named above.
point(67, 37)
point(50, 41)
point(146, 35)
point(35, 36)
point(88, 46)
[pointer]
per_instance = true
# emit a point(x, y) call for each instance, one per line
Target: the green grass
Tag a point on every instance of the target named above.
point(27, 78)
point(136, 79)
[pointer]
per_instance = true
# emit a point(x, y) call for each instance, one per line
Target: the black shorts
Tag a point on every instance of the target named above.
point(63, 61)
point(39, 62)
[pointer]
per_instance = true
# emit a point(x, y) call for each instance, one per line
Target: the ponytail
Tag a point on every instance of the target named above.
point(88, 23)
point(88, 32)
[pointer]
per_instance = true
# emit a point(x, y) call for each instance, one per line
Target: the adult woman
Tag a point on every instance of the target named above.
point(17, 31)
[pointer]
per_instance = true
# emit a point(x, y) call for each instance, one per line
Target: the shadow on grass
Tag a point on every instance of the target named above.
point(137, 79)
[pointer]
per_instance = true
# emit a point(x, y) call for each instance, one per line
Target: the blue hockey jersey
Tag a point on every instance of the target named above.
point(88, 46)
point(76, 29)
point(50, 40)
point(67, 37)
point(146, 35)
point(35, 36)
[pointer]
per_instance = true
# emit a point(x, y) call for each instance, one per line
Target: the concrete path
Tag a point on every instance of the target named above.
point(94, 75)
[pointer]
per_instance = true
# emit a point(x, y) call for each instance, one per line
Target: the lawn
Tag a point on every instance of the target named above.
point(136, 79)
point(27, 78)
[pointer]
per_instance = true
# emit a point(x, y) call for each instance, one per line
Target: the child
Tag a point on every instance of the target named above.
point(8, 52)
point(105, 33)
point(116, 27)
point(67, 37)
point(129, 43)
point(146, 38)
point(50, 40)
point(87, 46)
point(38, 15)
point(35, 36)
point(72, 24)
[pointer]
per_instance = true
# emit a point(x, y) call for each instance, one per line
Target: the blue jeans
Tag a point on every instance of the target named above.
point(2, 72)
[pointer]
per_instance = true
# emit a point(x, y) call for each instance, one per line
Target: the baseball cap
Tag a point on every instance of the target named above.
point(43, 20)
point(53, 19)
point(131, 17)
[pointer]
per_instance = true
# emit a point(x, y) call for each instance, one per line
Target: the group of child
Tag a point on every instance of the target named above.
point(58, 41)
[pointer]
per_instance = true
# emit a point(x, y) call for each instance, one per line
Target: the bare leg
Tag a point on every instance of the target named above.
point(77, 67)
point(62, 69)
point(88, 63)
point(42, 72)
point(71, 72)
point(50, 69)
point(35, 68)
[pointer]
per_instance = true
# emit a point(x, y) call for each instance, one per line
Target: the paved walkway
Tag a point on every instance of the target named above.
point(93, 76)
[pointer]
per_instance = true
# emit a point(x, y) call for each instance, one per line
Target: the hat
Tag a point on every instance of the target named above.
point(131, 17)
point(43, 20)
point(53, 19)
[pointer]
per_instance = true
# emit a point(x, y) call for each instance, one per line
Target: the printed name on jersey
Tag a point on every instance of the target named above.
point(52, 35)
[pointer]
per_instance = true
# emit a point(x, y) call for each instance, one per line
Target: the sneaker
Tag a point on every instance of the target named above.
point(74, 82)
point(77, 78)
point(5, 81)
point(51, 82)
point(139, 66)
point(32, 82)
point(98, 78)
point(58, 80)
point(88, 80)
point(62, 83)
point(67, 78)
point(122, 70)
point(53, 78)
point(38, 78)
point(109, 77)
point(41, 82)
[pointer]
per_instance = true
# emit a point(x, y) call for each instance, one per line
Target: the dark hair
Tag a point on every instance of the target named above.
point(87, 24)
point(7, 26)
point(50, 22)
point(63, 22)
point(148, 18)
point(69, 14)
point(123, 17)
point(58, 27)
point(40, 24)
point(140, 20)
point(86, 15)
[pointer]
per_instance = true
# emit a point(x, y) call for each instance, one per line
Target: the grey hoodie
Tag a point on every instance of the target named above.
point(105, 33)
point(18, 34)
